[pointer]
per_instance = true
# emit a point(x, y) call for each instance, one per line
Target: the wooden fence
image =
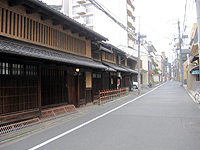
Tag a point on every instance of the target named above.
point(107, 95)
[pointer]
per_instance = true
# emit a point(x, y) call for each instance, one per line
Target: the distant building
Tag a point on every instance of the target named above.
point(158, 60)
point(148, 65)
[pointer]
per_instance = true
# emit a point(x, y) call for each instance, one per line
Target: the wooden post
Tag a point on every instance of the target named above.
point(78, 91)
point(39, 92)
point(99, 97)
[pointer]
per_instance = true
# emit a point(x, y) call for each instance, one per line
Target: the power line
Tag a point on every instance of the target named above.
point(98, 6)
point(157, 32)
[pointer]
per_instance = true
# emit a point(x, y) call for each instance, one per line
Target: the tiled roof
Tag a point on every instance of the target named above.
point(12, 48)
point(130, 70)
point(118, 68)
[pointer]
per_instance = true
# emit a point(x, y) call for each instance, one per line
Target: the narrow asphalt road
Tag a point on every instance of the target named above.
point(165, 118)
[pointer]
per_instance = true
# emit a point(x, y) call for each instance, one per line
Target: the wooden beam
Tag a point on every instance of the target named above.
point(32, 10)
point(56, 22)
point(12, 3)
point(45, 17)
point(73, 31)
point(66, 27)
point(88, 37)
point(81, 34)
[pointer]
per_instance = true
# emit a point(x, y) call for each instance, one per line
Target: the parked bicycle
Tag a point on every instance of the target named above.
point(196, 96)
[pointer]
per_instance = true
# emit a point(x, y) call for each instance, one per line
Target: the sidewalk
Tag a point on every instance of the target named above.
point(190, 92)
point(53, 121)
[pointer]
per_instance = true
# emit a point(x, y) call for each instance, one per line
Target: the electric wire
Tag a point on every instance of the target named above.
point(98, 6)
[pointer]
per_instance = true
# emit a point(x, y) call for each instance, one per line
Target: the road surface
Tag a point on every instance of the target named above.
point(165, 118)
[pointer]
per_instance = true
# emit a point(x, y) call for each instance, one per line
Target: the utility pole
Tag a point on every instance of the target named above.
point(139, 84)
point(180, 42)
point(198, 23)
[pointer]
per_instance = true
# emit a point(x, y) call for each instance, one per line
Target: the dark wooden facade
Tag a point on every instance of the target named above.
point(120, 71)
point(40, 50)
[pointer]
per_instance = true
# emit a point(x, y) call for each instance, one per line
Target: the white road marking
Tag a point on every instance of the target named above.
point(90, 121)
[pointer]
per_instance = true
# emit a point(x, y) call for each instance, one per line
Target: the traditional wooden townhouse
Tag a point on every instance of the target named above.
point(45, 60)
point(120, 69)
point(132, 64)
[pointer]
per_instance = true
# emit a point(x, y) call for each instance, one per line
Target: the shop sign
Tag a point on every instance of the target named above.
point(195, 71)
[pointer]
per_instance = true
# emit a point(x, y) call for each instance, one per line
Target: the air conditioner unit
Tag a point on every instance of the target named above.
point(81, 10)
point(81, 1)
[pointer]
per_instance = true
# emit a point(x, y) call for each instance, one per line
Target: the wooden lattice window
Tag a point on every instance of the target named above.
point(18, 69)
point(18, 94)
point(21, 27)
point(109, 56)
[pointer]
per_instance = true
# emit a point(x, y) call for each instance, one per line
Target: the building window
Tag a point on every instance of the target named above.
point(99, 76)
point(95, 55)
point(89, 8)
point(109, 56)
point(74, 10)
point(94, 75)
point(89, 19)
point(17, 69)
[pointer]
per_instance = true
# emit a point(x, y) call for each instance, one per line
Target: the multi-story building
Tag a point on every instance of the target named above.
point(147, 64)
point(87, 14)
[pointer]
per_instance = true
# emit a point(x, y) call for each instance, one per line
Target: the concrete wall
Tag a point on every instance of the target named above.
point(195, 85)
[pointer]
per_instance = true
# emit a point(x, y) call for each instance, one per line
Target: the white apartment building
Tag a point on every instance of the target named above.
point(87, 14)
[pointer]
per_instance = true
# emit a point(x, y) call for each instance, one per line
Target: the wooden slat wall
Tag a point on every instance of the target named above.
point(54, 90)
point(20, 27)
point(89, 95)
point(18, 87)
point(18, 95)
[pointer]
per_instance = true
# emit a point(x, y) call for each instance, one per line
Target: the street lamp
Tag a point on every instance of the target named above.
point(77, 70)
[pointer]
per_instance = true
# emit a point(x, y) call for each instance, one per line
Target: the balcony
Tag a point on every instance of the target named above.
point(81, 10)
point(81, 1)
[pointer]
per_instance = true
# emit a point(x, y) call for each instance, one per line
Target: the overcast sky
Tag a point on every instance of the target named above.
point(158, 20)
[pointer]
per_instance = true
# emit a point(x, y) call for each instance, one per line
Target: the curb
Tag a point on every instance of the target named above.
point(53, 121)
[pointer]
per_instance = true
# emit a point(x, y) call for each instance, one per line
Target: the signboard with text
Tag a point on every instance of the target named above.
point(195, 72)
